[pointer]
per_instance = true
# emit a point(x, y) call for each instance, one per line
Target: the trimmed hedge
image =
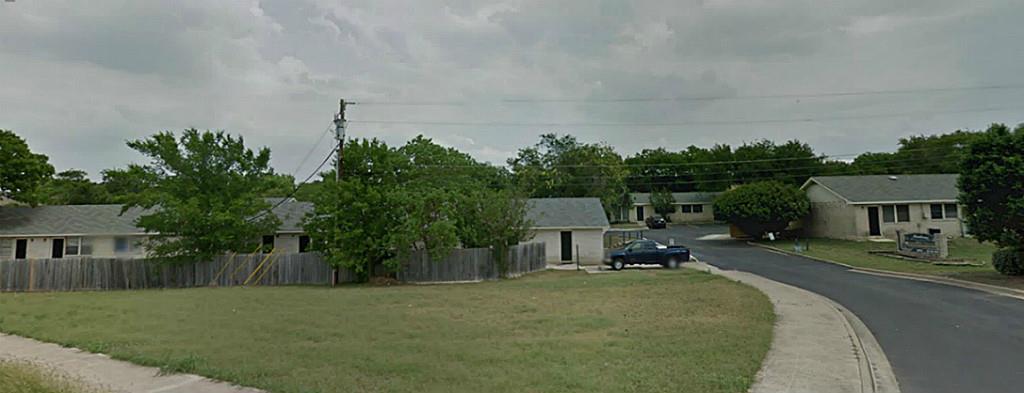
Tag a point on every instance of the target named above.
point(1009, 261)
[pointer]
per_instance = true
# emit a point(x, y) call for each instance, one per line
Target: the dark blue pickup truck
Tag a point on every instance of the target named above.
point(648, 252)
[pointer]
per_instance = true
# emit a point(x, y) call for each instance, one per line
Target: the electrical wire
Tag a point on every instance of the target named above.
point(678, 123)
point(853, 93)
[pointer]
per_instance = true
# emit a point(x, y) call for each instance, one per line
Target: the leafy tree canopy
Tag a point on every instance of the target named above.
point(663, 202)
point(564, 167)
point(203, 192)
point(762, 207)
point(421, 196)
point(21, 170)
point(991, 185)
point(73, 187)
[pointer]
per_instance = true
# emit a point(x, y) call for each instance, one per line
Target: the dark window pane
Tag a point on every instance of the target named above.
point(951, 211)
point(903, 213)
point(303, 243)
point(698, 208)
point(936, 211)
point(888, 214)
point(268, 243)
point(686, 208)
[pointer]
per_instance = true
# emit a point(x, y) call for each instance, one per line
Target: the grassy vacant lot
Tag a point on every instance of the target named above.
point(24, 378)
point(855, 253)
point(679, 331)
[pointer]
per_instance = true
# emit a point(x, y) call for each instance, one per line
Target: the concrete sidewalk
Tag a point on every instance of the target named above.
point(817, 345)
point(104, 373)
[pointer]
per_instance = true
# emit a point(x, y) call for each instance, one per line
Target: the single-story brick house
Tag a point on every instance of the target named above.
point(860, 207)
point(689, 207)
point(566, 225)
point(101, 231)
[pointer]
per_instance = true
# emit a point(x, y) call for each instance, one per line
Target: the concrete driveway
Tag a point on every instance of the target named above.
point(938, 338)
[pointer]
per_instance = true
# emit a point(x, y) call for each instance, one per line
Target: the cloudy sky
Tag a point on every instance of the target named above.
point(78, 79)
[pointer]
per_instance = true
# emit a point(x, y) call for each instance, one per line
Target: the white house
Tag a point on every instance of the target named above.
point(570, 228)
point(67, 231)
point(688, 207)
point(859, 207)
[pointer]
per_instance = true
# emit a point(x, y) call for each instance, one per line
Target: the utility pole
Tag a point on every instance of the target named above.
point(339, 136)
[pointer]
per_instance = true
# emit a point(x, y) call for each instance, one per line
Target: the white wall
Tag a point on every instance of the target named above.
point(678, 216)
point(102, 247)
point(286, 243)
point(590, 242)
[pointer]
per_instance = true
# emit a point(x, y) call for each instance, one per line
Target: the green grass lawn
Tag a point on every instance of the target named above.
point(24, 378)
point(855, 253)
point(679, 331)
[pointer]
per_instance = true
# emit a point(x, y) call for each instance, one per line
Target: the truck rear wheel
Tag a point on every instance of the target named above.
point(672, 263)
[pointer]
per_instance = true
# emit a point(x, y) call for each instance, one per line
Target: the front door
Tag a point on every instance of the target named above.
point(640, 214)
point(58, 248)
point(873, 228)
point(20, 248)
point(567, 246)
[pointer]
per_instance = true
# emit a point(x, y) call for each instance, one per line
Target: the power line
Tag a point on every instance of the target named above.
point(678, 123)
point(699, 163)
point(294, 190)
point(312, 149)
point(852, 93)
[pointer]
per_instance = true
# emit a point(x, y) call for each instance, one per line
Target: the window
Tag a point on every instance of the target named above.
point(902, 213)
point(72, 246)
point(686, 208)
point(303, 243)
point(888, 213)
point(86, 247)
point(895, 213)
point(122, 244)
point(936, 211)
point(951, 211)
point(268, 243)
point(698, 208)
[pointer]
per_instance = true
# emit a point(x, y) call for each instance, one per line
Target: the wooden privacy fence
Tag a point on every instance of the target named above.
point(88, 273)
point(473, 264)
point(72, 274)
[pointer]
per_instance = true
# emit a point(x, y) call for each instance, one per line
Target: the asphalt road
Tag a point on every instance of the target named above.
point(938, 338)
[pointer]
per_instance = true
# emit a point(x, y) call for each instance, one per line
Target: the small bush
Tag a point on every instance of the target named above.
point(1009, 261)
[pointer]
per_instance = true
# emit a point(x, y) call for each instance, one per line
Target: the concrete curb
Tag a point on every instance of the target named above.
point(102, 372)
point(814, 349)
point(993, 289)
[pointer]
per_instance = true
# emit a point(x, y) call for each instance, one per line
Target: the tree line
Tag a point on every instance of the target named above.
point(206, 190)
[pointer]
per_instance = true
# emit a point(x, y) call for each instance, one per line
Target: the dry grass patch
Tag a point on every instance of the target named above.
point(679, 331)
point(27, 378)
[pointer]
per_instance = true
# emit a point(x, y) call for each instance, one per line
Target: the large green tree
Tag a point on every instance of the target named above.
point(991, 186)
point(21, 170)
point(73, 187)
point(204, 194)
point(421, 196)
point(562, 166)
point(762, 207)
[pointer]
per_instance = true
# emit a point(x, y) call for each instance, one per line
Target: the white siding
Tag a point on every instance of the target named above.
point(590, 242)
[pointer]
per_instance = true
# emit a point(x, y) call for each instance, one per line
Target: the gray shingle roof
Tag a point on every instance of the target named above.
point(894, 188)
point(566, 213)
point(68, 220)
point(106, 219)
point(680, 197)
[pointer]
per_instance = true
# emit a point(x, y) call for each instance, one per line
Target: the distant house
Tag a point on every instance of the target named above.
point(569, 228)
point(859, 207)
point(67, 231)
point(689, 207)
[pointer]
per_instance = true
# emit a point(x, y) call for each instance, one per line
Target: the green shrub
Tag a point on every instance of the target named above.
point(1009, 261)
point(762, 207)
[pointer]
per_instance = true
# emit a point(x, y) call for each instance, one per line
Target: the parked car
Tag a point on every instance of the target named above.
point(656, 222)
point(648, 252)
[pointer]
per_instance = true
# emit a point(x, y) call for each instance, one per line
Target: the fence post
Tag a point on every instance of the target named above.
point(577, 256)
